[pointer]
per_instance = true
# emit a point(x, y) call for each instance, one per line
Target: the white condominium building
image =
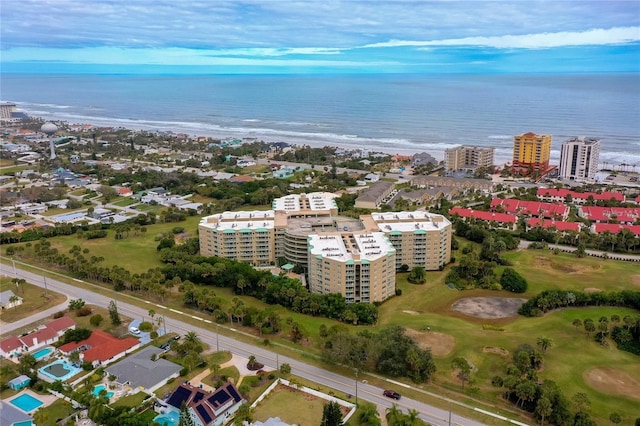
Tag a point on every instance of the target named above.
point(579, 159)
point(420, 238)
point(360, 266)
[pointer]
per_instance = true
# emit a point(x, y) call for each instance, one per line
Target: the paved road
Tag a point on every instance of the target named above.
point(208, 333)
point(524, 244)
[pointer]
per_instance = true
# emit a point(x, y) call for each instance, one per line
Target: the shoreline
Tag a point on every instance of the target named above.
point(502, 154)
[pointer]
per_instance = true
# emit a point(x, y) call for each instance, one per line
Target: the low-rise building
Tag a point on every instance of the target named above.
point(206, 408)
point(144, 370)
point(373, 196)
point(11, 416)
point(101, 348)
point(47, 334)
point(8, 300)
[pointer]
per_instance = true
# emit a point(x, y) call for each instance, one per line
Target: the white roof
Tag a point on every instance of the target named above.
point(317, 201)
point(240, 220)
point(409, 221)
point(367, 246)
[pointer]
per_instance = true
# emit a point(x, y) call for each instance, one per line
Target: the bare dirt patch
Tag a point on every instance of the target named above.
point(591, 290)
point(494, 350)
point(568, 268)
point(635, 280)
point(441, 344)
point(411, 312)
point(489, 307)
point(611, 380)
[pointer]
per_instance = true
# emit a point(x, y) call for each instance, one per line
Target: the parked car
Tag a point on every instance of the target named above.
point(392, 394)
point(134, 330)
point(173, 339)
point(260, 372)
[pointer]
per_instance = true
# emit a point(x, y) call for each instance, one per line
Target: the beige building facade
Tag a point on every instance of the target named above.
point(467, 157)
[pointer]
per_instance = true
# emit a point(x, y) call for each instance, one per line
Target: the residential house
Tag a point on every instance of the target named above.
point(43, 336)
point(559, 225)
point(460, 183)
point(556, 210)
point(499, 220)
point(9, 300)
point(101, 348)
point(372, 197)
point(284, 172)
point(206, 408)
point(372, 177)
point(32, 208)
point(144, 370)
point(553, 194)
point(11, 416)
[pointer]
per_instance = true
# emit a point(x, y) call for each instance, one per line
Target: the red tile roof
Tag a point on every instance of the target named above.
point(10, 344)
point(562, 193)
point(604, 214)
point(102, 346)
point(615, 228)
point(558, 224)
point(61, 324)
point(38, 337)
point(531, 208)
point(477, 214)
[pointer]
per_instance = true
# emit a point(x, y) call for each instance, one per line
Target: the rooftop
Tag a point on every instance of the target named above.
point(140, 371)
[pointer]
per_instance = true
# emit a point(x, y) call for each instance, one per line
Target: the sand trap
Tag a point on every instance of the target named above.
point(411, 312)
point(440, 344)
point(489, 307)
point(494, 350)
point(635, 280)
point(611, 380)
point(591, 290)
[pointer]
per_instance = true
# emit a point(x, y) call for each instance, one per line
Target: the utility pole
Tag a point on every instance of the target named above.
point(15, 273)
point(46, 290)
point(217, 337)
point(277, 365)
point(356, 387)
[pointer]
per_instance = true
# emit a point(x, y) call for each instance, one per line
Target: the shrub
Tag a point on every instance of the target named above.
point(84, 311)
point(492, 327)
point(145, 326)
point(153, 334)
point(398, 292)
point(96, 320)
point(58, 314)
point(513, 281)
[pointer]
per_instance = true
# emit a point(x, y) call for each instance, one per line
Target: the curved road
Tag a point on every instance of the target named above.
point(207, 332)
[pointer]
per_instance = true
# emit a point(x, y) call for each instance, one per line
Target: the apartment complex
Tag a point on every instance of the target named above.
point(360, 266)
point(466, 157)
point(357, 257)
point(531, 153)
point(420, 238)
point(6, 110)
point(579, 159)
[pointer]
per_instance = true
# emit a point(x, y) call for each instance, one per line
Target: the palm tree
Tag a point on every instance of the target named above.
point(394, 416)
point(544, 343)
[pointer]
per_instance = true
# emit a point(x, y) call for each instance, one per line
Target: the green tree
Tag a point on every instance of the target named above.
point(113, 314)
point(394, 416)
point(331, 415)
point(96, 320)
point(543, 409)
point(369, 415)
point(581, 400)
point(463, 369)
point(75, 304)
point(285, 369)
point(185, 416)
point(417, 275)
point(615, 418)
point(577, 323)
point(544, 343)
point(27, 362)
point(513, 281)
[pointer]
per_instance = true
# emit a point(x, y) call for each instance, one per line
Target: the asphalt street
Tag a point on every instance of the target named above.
point(207, 331)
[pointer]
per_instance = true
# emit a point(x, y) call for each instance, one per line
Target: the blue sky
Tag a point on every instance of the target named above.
point(319, 36)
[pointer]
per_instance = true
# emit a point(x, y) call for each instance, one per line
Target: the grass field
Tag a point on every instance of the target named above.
point(429, 305)
point(292, 406)
point(34, 299)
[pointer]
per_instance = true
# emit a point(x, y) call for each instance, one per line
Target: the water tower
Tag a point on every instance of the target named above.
point(50, 129)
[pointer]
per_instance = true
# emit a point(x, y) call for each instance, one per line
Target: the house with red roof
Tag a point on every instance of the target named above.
point(559, 225)
point(101, 348)
point(501, 220)
point(624, 215)
point(555, 210)
point(614, 228)
point(556, 195)
point(47, 334)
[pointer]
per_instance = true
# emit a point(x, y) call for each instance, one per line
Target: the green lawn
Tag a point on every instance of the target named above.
point(34, 299)
point(131, 401)
point(49, 416)
point(124, 201)
point(292, 406)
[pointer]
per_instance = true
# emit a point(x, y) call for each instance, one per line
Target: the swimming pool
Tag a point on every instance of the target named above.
point(42, 353)
point(172, 418)
point(100, 388)
point(26, 402)
point(60, 370)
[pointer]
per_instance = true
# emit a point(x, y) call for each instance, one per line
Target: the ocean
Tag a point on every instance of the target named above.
point(389, 113)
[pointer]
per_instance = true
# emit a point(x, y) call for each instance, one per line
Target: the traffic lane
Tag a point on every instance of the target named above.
point(338, 382)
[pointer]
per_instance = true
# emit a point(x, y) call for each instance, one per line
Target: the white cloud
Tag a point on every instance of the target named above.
point(530, 41)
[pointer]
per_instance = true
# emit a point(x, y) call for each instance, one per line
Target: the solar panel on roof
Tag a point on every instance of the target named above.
point(219, 398)
point(199, 395)
point(204, 415)
point(234, 394)
point(179, 396)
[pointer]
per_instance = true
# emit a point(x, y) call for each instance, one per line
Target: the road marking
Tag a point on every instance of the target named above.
point(207, 321)
point(146, 301)
point(197, 318)
point(176, 311)
point(398, 383)
point(80, 281)
point(161, 306)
